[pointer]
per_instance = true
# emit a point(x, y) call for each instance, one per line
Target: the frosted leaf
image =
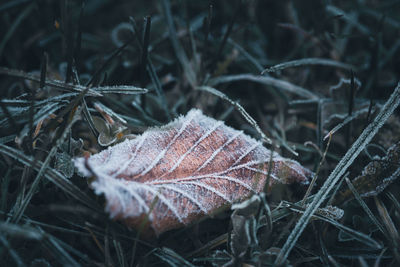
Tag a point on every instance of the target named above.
point(183, 171)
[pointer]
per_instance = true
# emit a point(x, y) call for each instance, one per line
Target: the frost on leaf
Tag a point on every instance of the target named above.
point(183, 171)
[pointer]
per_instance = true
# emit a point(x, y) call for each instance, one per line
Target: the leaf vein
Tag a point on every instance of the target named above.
point(215, 153)
point(254, 146)
point(204, 136)
point(162, 153)
point(126, 165)
point(209, 188)
point(185, 194)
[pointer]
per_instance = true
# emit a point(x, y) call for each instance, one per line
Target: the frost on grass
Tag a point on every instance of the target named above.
point(376, 176)
point(183, 171)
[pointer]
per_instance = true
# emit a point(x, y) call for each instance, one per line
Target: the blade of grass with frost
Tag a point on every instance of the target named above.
point(110, 112)
point(340, 169)
point(88, 117)
point(319, 130)
point(134, 122)
point(391, 229)
point(53, 176)
point(284, 143)
point(180, 53)
point(51, 83)
point(84, 233)
point(32, 190)
point(280, 84)
point(365, 207)
point(157, 84)
point(308, 61)
point(394, 200)
point(120, 89)
point(218, 241)
point(346, 121)
point(246, 54)
point(115, 104)
point(242, 111)
point(40, 115)
point(334, 192)
point(23, 112)
point(59, 253)
point(6, 139)
point(363, 238)
point(301, 147)
point(46, 111)
point(68, 109)
point(324, 257)
point(356, 253)
point(171, 257)
point(281, 212)
point(21, 102)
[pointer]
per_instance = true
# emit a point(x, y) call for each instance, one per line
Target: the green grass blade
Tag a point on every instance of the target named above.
point(364, 206)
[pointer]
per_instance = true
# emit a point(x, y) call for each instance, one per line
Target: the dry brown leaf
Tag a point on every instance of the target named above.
point(184, 171)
